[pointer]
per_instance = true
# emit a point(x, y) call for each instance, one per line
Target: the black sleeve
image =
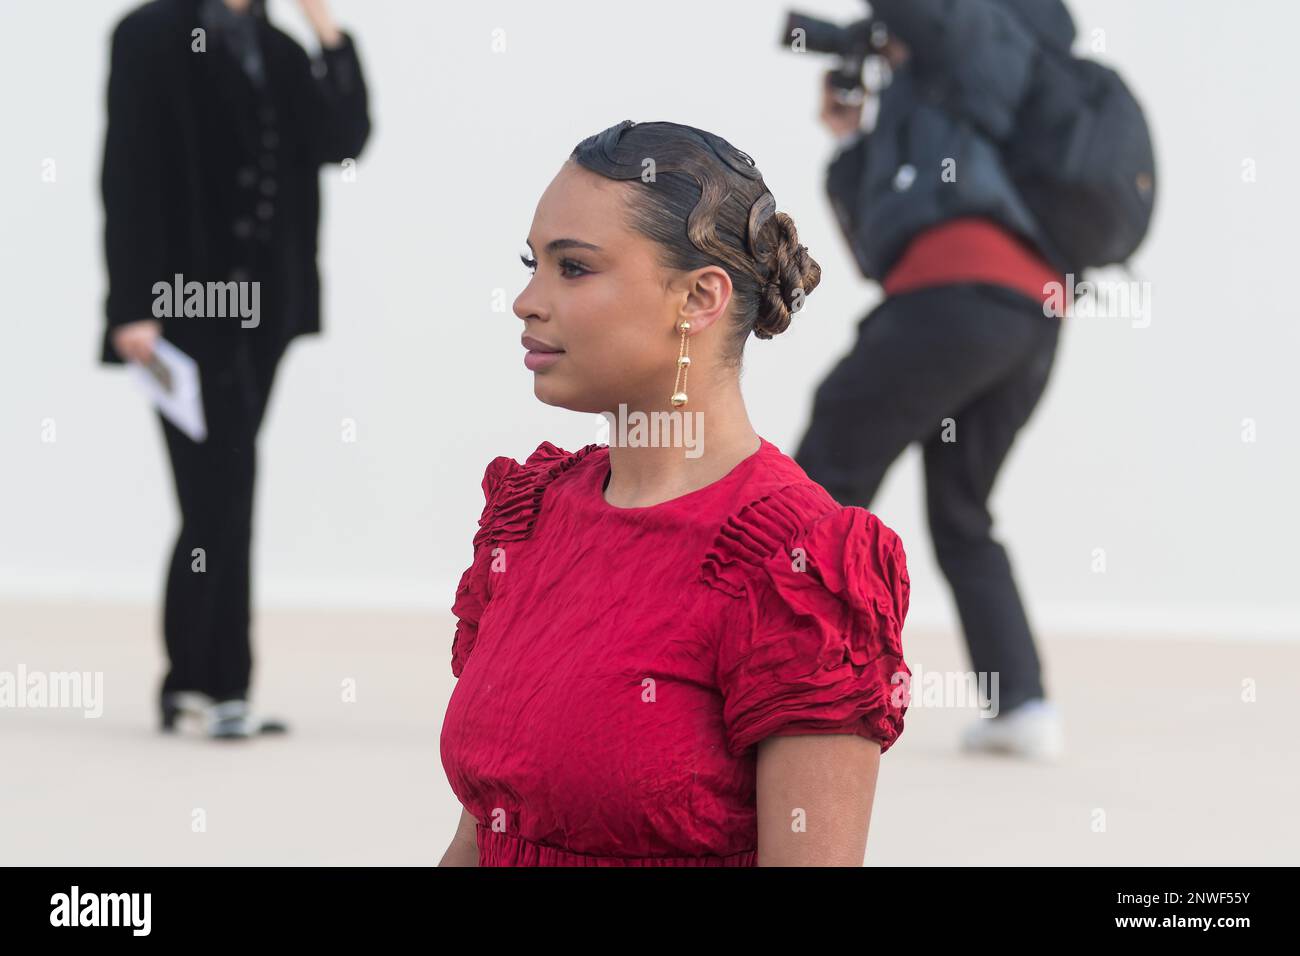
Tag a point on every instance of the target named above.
point(843, 184)
point(974, 55)
point(130, 181)
point(335, 103)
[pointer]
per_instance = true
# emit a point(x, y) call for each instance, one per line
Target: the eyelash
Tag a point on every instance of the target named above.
point(531, 265)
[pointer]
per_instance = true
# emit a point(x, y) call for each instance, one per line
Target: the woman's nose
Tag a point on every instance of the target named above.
point(527, 305)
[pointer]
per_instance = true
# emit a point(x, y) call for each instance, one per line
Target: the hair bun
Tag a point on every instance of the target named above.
point(707, 205)
point(791, 275)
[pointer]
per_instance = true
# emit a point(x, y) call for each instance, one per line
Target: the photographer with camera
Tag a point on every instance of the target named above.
point(940, 205)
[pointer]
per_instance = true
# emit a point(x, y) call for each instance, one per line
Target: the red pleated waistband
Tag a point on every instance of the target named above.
point(503, 849)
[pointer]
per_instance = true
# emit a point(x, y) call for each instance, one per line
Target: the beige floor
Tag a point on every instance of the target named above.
point(1163, 753)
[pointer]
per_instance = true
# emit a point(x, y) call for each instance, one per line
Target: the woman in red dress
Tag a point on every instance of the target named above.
point(667, 655)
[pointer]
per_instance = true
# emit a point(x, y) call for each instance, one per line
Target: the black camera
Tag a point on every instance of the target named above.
point(852, 44)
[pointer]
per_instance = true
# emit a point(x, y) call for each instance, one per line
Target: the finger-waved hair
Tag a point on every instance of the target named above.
point(705, 203)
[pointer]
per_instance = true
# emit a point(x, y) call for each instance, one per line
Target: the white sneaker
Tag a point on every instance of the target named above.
point(179, 704)
point(230, 720)
point(235, 720)
point(1033, 730)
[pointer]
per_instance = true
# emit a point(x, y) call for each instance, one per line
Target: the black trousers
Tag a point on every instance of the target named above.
point(979, 356)
point(207, 606)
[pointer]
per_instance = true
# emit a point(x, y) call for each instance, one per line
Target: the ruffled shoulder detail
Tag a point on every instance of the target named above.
point(512, 495)
point(820, 647)
point(513, 492)
point(760, 529)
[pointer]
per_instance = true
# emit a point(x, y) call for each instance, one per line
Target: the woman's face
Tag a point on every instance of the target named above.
point(598, 293)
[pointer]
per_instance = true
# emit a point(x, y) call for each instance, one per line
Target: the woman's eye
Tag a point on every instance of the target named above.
point(569, 268)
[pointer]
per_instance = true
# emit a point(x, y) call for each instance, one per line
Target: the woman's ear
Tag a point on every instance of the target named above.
point(708, 296)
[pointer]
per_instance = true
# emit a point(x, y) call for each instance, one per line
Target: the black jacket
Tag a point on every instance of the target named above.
point(211, 176)
point(971, 71)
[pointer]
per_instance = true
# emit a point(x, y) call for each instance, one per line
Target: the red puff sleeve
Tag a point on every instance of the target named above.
point(822, 650)
point(471, 598)
point(473, 592)
point(512, 499)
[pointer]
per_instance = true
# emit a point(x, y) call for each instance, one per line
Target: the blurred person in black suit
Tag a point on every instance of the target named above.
point(218, 124)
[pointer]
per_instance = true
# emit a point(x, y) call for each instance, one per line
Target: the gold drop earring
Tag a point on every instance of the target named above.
point(683, 364)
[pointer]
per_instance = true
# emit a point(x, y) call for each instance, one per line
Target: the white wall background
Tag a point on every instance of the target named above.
point(1136, 449)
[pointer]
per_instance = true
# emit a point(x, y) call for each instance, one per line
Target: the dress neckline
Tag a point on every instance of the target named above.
point(738, 471)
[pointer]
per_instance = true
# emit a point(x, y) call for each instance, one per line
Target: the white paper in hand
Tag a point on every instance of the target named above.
point(171, 381)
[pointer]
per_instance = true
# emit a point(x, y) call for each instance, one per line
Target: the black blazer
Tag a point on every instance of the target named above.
point(208, 175)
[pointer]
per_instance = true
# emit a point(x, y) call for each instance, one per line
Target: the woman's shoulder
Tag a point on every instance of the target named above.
point(815, 643)
point(784, 515)
point(512, 491)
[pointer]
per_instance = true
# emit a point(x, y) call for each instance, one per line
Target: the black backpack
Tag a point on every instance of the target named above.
point(1080, 156)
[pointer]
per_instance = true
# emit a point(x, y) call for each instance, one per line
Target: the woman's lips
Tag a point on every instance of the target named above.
point(536, 361)
point(540, 354)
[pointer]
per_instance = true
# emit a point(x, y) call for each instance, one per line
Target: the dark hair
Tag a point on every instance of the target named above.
point(705, 203)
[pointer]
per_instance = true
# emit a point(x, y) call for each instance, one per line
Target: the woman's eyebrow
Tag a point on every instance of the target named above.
point(555, 245)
